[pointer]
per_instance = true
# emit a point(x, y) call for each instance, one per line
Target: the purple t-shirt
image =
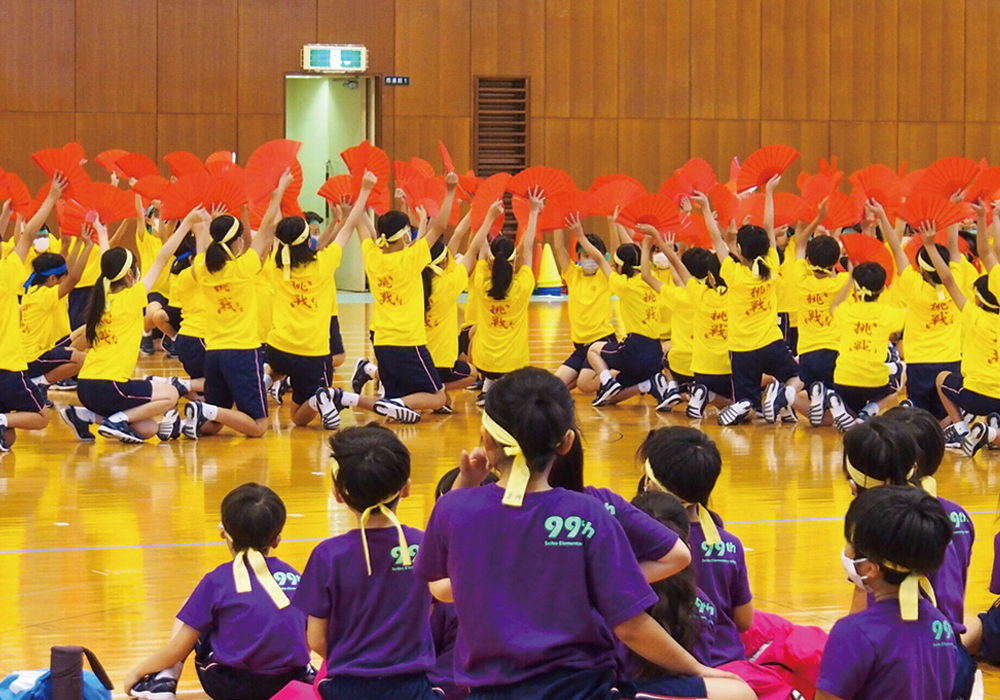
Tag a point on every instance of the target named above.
point(379, 624)
point(702, 649)
point(247, 630)
point(444, 630)
point(722, 576)
point(995, 578)
point(650, 539)
point(874, 654)
point(536, 588)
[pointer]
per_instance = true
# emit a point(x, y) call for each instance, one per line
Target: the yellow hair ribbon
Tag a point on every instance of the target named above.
point(258, 564)
point(863, 292)
point(435, 264)
point(909, 590)
point(285, 254)
point(230, 234)
point(384, 241)
point(755, 266)
point(618, 259)
point(925, 265)
point(929, 484)
point(517, 482)
point(708, 525)
point(986, 304)
point(129, 260)
point(819, 269)
point(864, 481)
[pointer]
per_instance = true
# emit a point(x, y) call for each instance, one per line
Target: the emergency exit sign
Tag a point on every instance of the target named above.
point(335, 58)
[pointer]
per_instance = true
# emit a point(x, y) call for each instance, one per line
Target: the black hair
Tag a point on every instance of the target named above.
point(287, 230)
point(111, 264)
point(970, 238)
point(823, 251)
point(391, 222)
point(373, 465)
point(871, 276)
point(502, 274)
point(428, 275)
point(982, 287)
point(216, 256)
point(46, 261)
point(905, 526)
point(676, 609)
point(753, 242)
point(447, 481)
point(923, 256)
point(882, 449)
point(631, 258)
point(253, 515)
point(926, 432)
point(312, 217)
point(699, 262)
point(536, 408)
point(184, 255)
point(595, 241)
point(684, 460)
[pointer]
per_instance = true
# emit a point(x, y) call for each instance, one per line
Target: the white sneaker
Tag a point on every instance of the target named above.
point(327, 407)
point(817, 404)
point(841, 418)
point(696, 404)
point(735, 413)
point(394, 409)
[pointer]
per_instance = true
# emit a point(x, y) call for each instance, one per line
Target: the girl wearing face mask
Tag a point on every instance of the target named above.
point(149, 236)
point(589, 306)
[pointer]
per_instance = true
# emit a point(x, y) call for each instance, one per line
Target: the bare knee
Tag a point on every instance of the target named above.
point(259, 428)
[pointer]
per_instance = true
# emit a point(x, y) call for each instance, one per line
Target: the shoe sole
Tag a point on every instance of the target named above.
point(143, 695)
point(88, 437)
point(330, 418)
point(603, 399)
point(408, 419)
point(128, 439)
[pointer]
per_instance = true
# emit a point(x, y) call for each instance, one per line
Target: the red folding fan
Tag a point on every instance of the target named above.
point(363, 157)
point(151, 187)
point(107, 201)
point(860, 248)
point(76, 151)
point(616, 194)
point(985, 186)
point(917, 242)
point(106, 159)
point(225, 194)
point(380, 202)
point(52, 159)
point(137, 166)
point(266, 166)
point(880, 183)
point(843, 211)
point(449, 165)
point(19, 196)
point(696, 176)
point(338, 190)
point(218, 168)
point(734, 173)
point(490, 190)
point(183, 163)
point(549, 219)
point(422, 166)
point(185, 194)
point(469, 183)
point(403, 173)
point(921, 209)
point(673, 189)
point(816, 188)
point(947, 176)
point(830, 170)
point(763, 164)
point(656, 210)
point(427, 192)
point(693, 231)
point(551, 182)
point(221, 157)
point(788, 209)
point(725, 204)
point(603, 180)
point(71, 217)
point(578, 203)
point(908, 181)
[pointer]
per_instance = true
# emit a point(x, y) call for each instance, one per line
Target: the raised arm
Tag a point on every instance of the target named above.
point(76, 263)
point(769, 208)
point(4, 219)
point(845, 291)
point(718, 242)
point(891, 237)
point(440, 222)
point(34, 224)
point(563, 260)
point(646, 249)
point(983, 247)
point(928, 232)
point(357, 212)
point(170, 246)
point(954, 254)
point(589, 248)
point(536, 204)
point(455, 242)
point(802, 237)
point(667, 245)
point(468, 259)
point(264, 238)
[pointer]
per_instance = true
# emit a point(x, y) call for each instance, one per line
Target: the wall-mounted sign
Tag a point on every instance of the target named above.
point(334, 58)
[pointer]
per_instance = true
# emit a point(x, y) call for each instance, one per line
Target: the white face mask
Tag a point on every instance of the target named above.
point(850, 566)
point(660, 260)
point(589, 266)
point(41, 243)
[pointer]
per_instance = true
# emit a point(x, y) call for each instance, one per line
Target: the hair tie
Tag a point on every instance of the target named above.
point(909, 590)
point(863, 292)
point(755, 266)
point(435, 264)
point(708, 525)
point(517, 482)
point(44, 273)
point(241, 577)
point(384, 240)
point(819, 269)
point(129, 259)
point(925, 265)
point(285, 252)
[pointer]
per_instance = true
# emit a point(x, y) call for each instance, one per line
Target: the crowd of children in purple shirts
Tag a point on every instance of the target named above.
point(527, 583)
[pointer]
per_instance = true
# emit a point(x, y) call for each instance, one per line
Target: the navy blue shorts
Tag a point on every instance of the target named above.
point(578, 360)
point(414, 686)
point(921, 384)
point(817, 366)
point(969, 401)
point(749, 367)
point(104, 397)
point(965, 672)
point(721, 384)
point(406, 370)
point(857, 397)
point(458, 373)
point(174, 316)
point(684, 380)
point(158, 298)
point(236, 377)
point(336, 341)
point(78, 300)
point(464, 339)
point(789, 332)
point(667, 687)
point(990, 651)
point(191, 352)
point(561, 684)
point(637, 358)
point(19, 393)
point(308, 374)
point(225, 682)
point(48, 361)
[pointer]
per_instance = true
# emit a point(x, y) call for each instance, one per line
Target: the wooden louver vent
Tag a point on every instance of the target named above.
point(501, 125)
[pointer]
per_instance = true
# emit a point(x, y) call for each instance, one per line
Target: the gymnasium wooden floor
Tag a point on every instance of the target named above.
point(100, 544)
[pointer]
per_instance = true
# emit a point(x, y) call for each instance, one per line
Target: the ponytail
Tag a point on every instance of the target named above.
point(292, 233)
point(115, 264)
point(629, 257)
point(223, 231)
point(754, 245)
point(184, 255)
point(502, 251)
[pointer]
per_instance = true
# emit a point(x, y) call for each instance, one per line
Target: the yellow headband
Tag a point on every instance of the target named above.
point(618, 259)
point(755, 266)
point(230, 234)
point(129, 260)
point(241, 576)
point(517, 482)
point(929, 484)
point(909, 590)
point(384, 241)
point(982, 300)
point(863, 480)
point(404, 549)
point(708, 526)
point(435, 264)
point(285, 253)
point(510, 258)
point(819, 268)
point(925, 265)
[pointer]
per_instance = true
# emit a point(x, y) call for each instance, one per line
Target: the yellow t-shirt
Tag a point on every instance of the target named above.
point(815, 295)
point(12, 358)
point(753, 305)
point(681, 342)
point(55, 246)
point(186, 295)
point(44, 320)
point(398, 289)
point(115, 352)
point(788, 301)
point(334, 305)
point(710, 329)
point(472, 311)
point(666, 277)
point(969, 276)
point(302, 306)
point(149, 246)
point(864, 329)
point(501, 340)
point(589, 305)
point(441, 319)
point(640, 305)
point(231, 302)
point(932, 331)
point(979, 350)
point(92, 270)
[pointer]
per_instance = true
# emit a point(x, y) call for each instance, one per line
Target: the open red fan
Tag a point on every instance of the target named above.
point(908, 182)
point(221, 157)
point(380, 202)
point(107, 201)
point(449, 165)
point(843, 211)
point(76, 151)
point(404, 173)
point(603, 180)
point(266, 166)
point(185, 194)
point(788, 209)
point(71, 217)
point(830, 170)
point(20, 198)
point(947, 176)
point(427, 192)
point(363, 157)
point(616, 194)
point(218, 168)
point(151, 187)
point(423, 167)
point(816, 188)
point(490, 190)
point(137, 166)
point(577, 203)
point(916, 243)
point(693, 231)
point(674, 189)
point(469, 183)
point(734, 173)
point(985, 186)
point(52, 159)
point(550, 181)
point(860, 248)
point(726, 206)
point(656, 210)
point(880, 183)
point(106, 159)
point(225, 194)
point(921, 209)
point(183, 163)
point(338, 190)
point(549, 219)
point(696, 176)
point(763, 164)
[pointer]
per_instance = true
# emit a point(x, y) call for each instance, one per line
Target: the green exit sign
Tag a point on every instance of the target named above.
point(334, 58)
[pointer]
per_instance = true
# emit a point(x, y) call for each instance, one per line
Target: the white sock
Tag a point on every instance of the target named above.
point(118, 417)
point(790, 395)
point(605, 376)
point(871, 409)
point(209, 411)
point(146, 334)
point(268, 381)
point(961, 427)
point(371, 369)
point(40, 381)
point(3, 420)
point(85, 414)
point(173, 672)
point(349, 398)
point(991, 434)
point(711, 397)
point(487, 383)
point(645, 386)
point(313, 404)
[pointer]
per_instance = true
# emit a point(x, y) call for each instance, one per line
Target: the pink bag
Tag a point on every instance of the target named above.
point(792, 651)
point(765, 681)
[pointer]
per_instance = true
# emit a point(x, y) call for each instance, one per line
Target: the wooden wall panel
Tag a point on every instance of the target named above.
point(510, 40)
point(863, 66)
point(931, 58)
point(116, 56)
point(197, 60)
point(982, 64)
point(24, 133)
point(811, 139)
point(97, 132)
point(983, 141)
point(652, 149)
point(795, 67)
point(200, 134)
point(271, 36)
point(717, 141)
point(256, 129)
point(419, 136)
point(725, 59)
point(433, 48)
point(920, 144)
point(584, 148)
point(654, 40)
point(368, 22)
point(581, 58)
point(858, 144)
point(37, 55)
